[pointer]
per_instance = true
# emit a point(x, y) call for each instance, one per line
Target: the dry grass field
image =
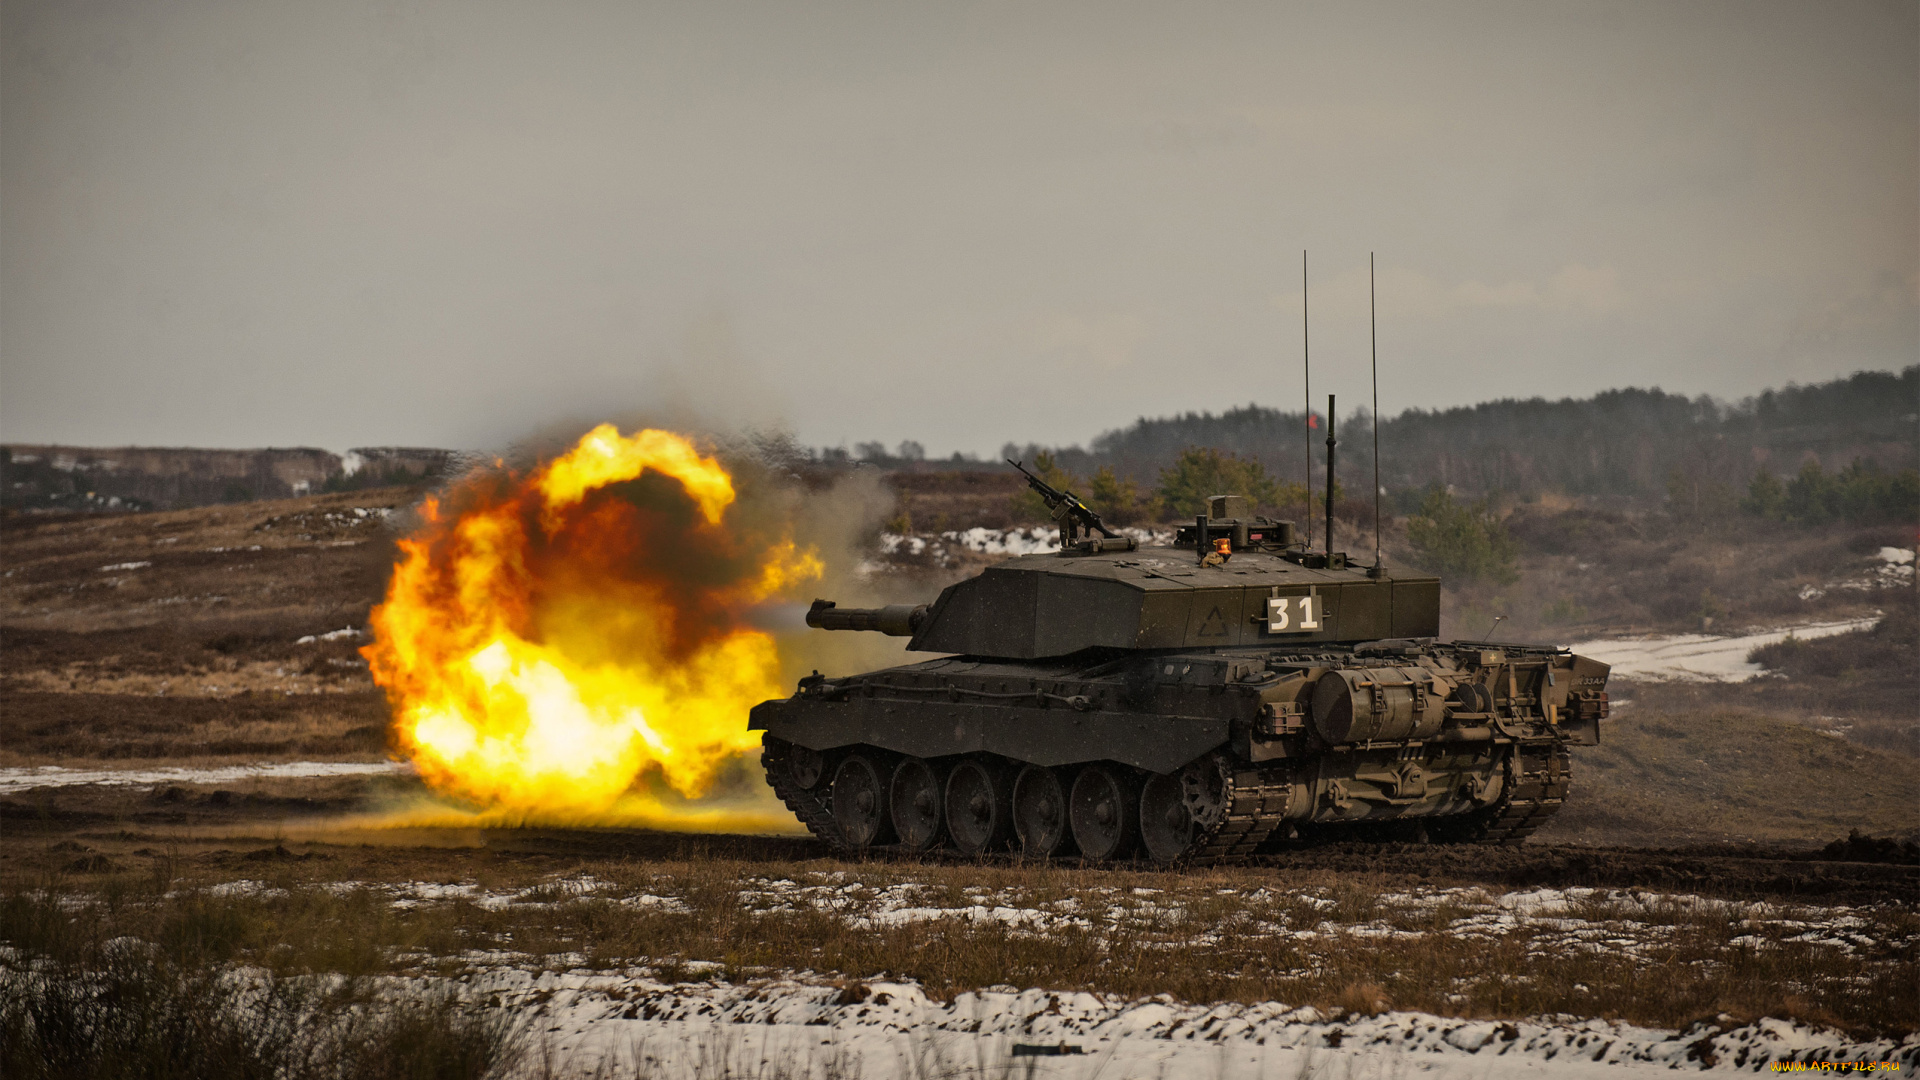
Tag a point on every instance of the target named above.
point(214, 638)
point(176, 637)
point(1340, 941)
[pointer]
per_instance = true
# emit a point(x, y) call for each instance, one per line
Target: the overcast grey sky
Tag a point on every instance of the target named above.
point(347, 223)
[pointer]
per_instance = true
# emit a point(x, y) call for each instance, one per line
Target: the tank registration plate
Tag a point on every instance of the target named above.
point(1293, 614)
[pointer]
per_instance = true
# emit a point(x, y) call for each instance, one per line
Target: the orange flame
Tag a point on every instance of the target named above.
point(548, 641)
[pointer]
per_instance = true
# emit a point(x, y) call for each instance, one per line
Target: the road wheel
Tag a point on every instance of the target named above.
point(915, 801)
point(1040, 811)
point(1166, 826)
point(1102, 810)
point(859, 802)
point(979, 809)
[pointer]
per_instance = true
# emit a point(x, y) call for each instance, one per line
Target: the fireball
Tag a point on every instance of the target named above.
point(561, 644)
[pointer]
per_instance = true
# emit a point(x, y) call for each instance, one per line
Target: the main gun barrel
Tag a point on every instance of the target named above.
point(897, 620)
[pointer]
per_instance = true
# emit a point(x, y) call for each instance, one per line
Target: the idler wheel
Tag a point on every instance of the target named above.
point(859, 802)
point(807, 766)
point(1102, 812)
point(979, 807)
point(916, 800)
point(1040, 811)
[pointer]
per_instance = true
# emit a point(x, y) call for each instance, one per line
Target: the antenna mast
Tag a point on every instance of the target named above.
point(1330, 445)
point(1373, 337)
point(1306, 374)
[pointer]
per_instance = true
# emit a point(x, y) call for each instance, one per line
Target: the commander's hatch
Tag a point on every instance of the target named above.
point(1231, 518)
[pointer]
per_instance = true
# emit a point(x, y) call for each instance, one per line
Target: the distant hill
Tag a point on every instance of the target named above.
point(1629, 443)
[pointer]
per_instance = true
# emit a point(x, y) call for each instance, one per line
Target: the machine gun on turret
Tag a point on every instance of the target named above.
point(1072, 514)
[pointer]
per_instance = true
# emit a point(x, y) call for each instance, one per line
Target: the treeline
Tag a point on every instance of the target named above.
point(34, 477)
point(1180, 490)
point(1634, 445)
point(1861, 492)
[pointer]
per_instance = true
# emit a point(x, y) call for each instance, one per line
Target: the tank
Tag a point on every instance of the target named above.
point(1231, 694)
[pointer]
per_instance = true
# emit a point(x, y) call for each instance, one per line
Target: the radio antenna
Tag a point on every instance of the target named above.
point(1306, 375)
point(1373, 337)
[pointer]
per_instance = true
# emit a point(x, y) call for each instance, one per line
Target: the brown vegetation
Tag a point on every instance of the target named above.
point(73, 728)
point(1342, 942)
point(177, 636)
point(1864, 687)
point(935, 502)
point(1692, 763)
point(1587, 571)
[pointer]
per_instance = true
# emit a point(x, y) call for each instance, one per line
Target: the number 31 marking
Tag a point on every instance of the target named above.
point(1283, 610)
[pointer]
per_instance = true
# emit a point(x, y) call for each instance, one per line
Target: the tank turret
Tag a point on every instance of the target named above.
point(1267, 589)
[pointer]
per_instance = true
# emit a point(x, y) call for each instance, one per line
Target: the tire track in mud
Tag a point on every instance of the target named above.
point(1734, 873)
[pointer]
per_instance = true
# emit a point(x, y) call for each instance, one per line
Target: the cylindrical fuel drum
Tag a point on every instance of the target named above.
point(1383, 704)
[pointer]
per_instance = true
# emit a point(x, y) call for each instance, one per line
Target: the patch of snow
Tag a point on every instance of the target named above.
point(1012, 916)
point(1034, 541)
point(997, 542)
point(126, 566)
point(1889, 568)
point(15, 780)
point(627, 1020)
point(1038, 540)
point(407, 895)
point(1702, 657)
point(243, 888)
point(331, 635)
point(897, 544)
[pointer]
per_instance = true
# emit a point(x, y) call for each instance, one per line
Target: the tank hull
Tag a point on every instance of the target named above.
point(1186, 756)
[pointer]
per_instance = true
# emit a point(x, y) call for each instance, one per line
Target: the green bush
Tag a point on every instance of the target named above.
point(1695, 497)
point(1460, 542)
point(1862, 493)
point(1202, 472)
point(1115, 498)
point(1766, 495)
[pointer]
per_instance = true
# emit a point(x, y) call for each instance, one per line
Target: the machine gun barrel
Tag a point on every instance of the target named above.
point(1065, 505)
point(897, 620)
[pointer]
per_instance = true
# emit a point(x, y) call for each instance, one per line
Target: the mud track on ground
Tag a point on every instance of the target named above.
point(1732, 873)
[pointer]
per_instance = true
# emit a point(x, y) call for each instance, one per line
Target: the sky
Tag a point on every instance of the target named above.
point(370, 223)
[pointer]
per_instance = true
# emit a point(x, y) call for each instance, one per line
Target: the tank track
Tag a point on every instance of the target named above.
point(1256, 805)
point(1536, 787)
point(812, 809)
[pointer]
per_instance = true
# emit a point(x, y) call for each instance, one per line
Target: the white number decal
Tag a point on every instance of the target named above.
point(1309, 613)
point(1280, 610)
